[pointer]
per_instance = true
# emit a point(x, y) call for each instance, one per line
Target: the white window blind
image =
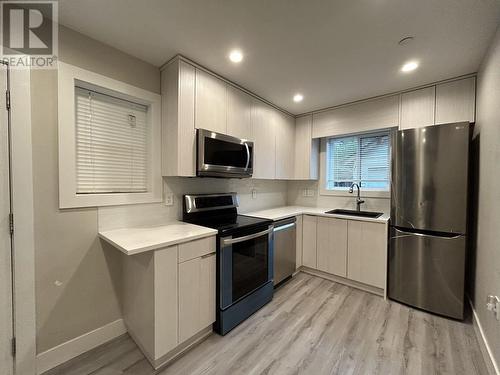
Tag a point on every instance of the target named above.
point(111, 144)
point(362, 159)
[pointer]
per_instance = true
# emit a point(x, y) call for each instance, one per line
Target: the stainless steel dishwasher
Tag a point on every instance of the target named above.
point(284, 249)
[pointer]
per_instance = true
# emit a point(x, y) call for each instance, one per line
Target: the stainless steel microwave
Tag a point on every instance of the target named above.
point(220, 155)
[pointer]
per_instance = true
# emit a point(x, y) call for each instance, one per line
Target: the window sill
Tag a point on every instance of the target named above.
point(363, 194)
point(99, 200)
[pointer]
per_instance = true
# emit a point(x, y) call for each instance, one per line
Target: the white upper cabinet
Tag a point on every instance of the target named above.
point(211, 102)
point(372, 114)
point(239, 113)
point(453, 101)
point(178, 131)
point(285, 145)
point(456, 101)
point(264, 130)
point(417, 108)
point(306, 150)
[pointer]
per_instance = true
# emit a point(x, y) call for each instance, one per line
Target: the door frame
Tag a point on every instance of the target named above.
point(8, 310)
point(23, 267)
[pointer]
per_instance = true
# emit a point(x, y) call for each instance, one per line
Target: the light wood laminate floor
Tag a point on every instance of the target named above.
point(312, 326)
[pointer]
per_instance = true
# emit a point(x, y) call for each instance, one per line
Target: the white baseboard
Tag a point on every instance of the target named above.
point(483, 343)
point(79, 345)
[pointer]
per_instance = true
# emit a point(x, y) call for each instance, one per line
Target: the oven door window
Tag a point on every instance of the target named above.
point(223, 153)
point(250, 266)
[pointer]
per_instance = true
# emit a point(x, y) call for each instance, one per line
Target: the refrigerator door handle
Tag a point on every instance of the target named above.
point(409, 233)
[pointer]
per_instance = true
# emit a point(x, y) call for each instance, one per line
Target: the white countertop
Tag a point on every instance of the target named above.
point(284, 212)
point(138, 240)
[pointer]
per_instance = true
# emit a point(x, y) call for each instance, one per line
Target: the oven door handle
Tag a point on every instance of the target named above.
point(231, 241)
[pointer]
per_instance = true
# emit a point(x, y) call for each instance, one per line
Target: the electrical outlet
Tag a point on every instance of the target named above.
point(493, 304)
point(308, 193)
point(254, 193)
point(169, 199)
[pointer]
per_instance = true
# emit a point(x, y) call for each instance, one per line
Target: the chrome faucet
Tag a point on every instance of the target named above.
point(359, 201)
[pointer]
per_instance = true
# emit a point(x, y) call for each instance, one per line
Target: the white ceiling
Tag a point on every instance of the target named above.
point(332, 51)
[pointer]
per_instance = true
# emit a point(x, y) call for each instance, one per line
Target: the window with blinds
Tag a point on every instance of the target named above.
point(111, 144)
point(362, 159)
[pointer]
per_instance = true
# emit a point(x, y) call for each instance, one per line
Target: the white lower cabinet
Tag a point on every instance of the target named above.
point(169, 297)
point(367, 252)
point(331, 246)
point(309, 255)
point(196, 295)
point(298, 242)
point(352, 249)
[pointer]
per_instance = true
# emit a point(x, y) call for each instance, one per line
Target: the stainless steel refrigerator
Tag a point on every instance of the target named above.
point(428, 236)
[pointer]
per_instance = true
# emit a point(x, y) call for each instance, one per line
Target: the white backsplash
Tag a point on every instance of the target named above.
point(269, 194)
point(295, 197)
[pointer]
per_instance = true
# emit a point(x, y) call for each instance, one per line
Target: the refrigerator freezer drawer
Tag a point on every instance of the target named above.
point(428, 272)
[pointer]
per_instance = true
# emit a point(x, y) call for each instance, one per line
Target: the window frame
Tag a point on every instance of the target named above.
point(70, 76)
point(365, 192)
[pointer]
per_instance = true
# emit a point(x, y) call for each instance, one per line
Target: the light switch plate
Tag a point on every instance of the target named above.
point(169, 199)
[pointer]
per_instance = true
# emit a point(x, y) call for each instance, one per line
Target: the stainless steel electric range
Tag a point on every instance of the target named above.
point(244, 256)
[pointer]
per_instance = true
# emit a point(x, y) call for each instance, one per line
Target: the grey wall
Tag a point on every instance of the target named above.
point(487, 141)
point(75, 280)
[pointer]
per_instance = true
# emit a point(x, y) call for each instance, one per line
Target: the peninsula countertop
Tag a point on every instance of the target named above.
point(140, 239)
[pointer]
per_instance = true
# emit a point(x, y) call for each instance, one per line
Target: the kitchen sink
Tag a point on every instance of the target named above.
point(339, 211)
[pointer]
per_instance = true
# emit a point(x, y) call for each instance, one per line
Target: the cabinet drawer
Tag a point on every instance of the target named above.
point(196, 249)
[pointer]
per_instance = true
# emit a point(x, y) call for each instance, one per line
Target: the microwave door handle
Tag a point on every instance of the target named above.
point(248, 156)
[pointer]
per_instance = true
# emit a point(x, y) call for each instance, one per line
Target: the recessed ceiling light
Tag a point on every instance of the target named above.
point(298, 98)
point(236, 56)
point(409, 66)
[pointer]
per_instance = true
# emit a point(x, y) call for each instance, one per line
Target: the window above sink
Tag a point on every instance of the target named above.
point(364, 159)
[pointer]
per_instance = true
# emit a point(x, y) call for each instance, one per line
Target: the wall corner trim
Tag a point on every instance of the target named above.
point(79, 345)
point(491, 363)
